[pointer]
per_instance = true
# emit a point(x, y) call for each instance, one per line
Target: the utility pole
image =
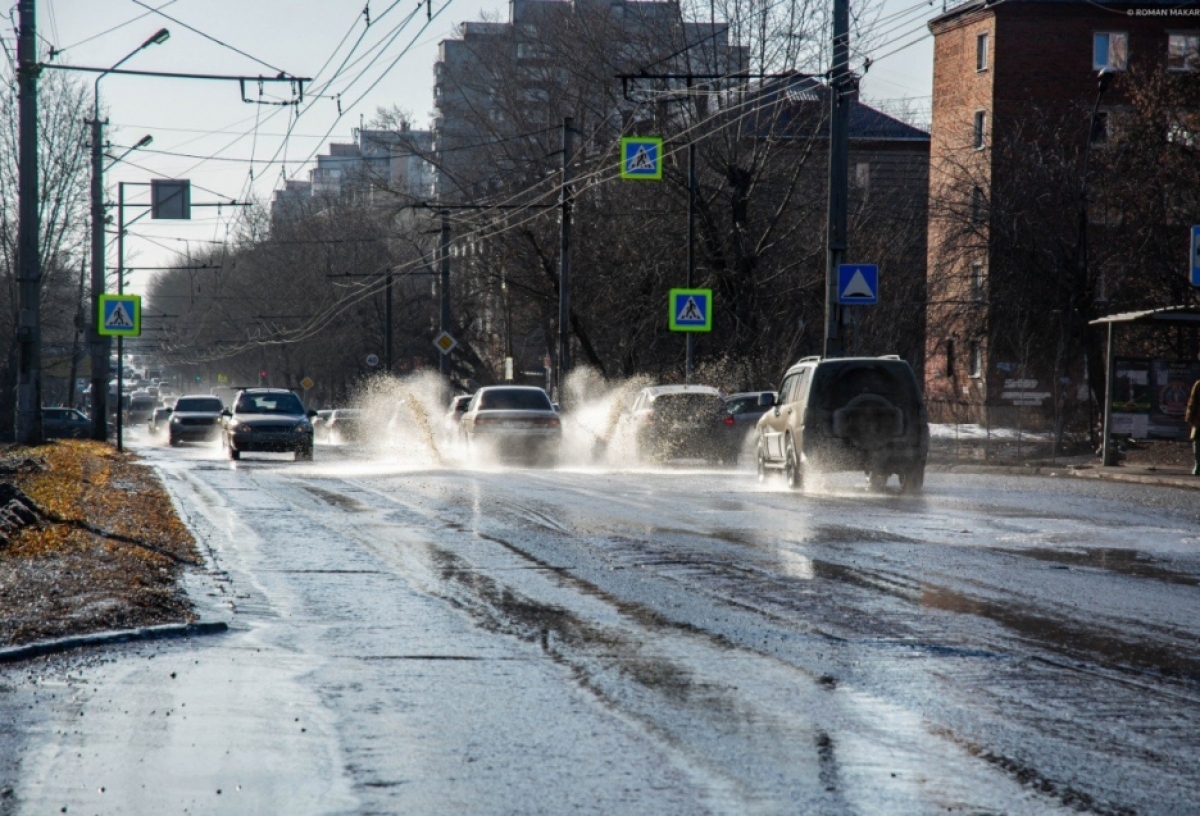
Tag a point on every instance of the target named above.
point(99, 343)
point(841, 97)
point(564, 259)
point(444, 322)
point(29, 272)
point(387, 320)
point(80, 327)
point(691, 248)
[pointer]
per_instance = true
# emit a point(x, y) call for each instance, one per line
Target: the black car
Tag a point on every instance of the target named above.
point(65, 423)
point(268, 420)
point(678, 422)
point(194, 418)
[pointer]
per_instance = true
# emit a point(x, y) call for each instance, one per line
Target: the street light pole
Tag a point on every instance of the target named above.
point(29, 267)
point(100, 344)
point(1081, 252)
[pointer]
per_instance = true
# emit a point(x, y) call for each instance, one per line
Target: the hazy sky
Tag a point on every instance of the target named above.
point(232, 149)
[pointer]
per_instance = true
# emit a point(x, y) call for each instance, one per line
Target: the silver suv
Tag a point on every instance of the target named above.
point(849, 413)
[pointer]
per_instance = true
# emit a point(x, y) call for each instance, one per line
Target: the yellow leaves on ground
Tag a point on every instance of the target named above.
point(90, 483)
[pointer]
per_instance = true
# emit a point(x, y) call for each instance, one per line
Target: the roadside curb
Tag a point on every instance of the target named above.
point(1102, 474)
point(168, 630)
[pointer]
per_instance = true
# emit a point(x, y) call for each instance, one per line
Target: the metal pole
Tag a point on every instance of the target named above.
point(100, 344)
point(691, 251)
point(120, 291)
point(79, 329)
point(387, 319)
point(1108, 451)
point(564, 259)
point(444, 322)
point(839, 173)
point(29, 272)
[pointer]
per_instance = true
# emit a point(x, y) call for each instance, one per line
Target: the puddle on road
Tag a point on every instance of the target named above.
point(1074, 640)
point(842, 534)
point(1122, 561)
point(338, 500)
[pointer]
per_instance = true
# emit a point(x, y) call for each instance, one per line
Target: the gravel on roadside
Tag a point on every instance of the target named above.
point(101, 548)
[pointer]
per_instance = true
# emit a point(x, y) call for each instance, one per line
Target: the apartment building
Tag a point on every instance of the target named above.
point(1023, 98)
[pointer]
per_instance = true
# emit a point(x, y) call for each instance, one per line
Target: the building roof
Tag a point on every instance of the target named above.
point(797, 108)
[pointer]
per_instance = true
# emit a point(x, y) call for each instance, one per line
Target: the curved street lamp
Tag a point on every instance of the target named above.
point(101, 345)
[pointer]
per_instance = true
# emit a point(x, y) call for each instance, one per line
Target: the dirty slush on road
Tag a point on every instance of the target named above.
point(89, 542)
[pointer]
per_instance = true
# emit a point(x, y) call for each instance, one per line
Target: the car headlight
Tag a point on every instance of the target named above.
point(304, 427)
point(174, 420)
point(234, 425)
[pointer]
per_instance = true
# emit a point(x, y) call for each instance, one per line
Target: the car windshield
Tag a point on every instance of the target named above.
point(199, 404)
point(269, 404)
point(515, 399)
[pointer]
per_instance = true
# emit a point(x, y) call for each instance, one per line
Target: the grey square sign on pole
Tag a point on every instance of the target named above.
point(171, 198)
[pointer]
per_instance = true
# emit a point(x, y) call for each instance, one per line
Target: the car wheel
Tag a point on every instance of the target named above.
point(761, 465)
point(304, 454)
point(791, 467)
point(913, 479)
point(878, 479)
point(172, 441)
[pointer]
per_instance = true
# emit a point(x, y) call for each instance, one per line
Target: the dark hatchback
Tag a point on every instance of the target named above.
point(65, 423)
point(268, 420)
point(194, 419)
point(680, 422)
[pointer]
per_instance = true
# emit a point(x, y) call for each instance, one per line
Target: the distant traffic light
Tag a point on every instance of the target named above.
point(197, 378)
point(262, 377)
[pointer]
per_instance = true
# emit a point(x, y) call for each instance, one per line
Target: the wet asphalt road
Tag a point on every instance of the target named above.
point(411, 638)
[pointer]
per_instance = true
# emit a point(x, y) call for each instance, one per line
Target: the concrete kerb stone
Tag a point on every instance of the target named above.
point(168, 630)
point(1118, 474)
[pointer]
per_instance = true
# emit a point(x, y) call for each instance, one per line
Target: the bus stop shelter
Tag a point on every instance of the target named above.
point(1157, 318)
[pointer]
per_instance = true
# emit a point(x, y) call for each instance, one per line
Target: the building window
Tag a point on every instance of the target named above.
point(862, 174)
point(977, 281)
point(950, 357)
point(1110, 49)
point(978, 205)
point(1183, 52)
point(976, 362)
point(980, 139)
point(981, 52)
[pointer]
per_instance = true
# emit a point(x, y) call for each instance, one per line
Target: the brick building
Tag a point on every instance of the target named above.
point(1018, 110)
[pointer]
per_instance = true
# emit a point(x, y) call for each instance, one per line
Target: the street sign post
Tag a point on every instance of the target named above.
point(307, 383)
point(445, 342)
point(120, 316)
point(690, 310)
point(1195, 256)
point(372, 360)
point(642, 157)
point(858, 284)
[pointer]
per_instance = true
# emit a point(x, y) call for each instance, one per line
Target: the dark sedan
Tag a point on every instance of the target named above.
point(742, 411)
point(194, 419)
point(65, 423)
point(268, 420)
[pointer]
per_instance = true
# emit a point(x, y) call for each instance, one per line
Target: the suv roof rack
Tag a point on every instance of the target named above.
point(811, 359)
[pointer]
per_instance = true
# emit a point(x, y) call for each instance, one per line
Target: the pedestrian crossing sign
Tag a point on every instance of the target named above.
point(690, 310)
point(858, 284)
point(641, 157)
point(120, 315)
